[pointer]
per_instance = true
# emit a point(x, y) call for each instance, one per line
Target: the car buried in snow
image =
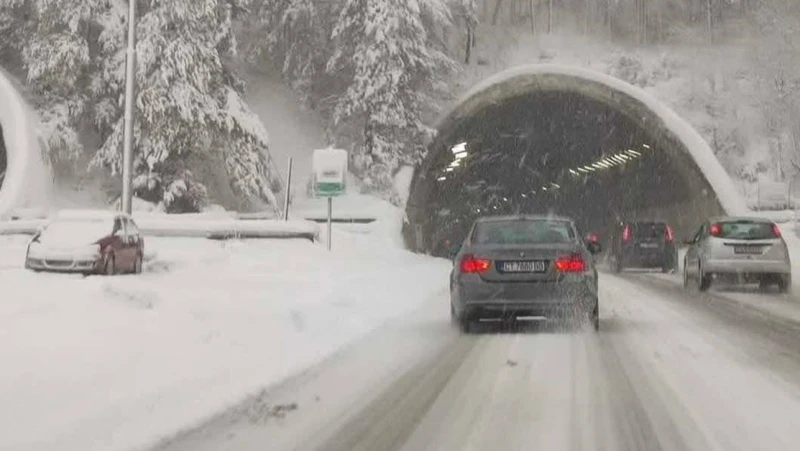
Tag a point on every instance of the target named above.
point(88, 242)
point(511, 267)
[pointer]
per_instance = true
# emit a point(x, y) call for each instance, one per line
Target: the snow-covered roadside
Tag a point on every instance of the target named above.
point(115, 363)
point(701, 370)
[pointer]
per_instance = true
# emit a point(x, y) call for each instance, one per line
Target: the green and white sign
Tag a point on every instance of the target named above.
point(329, 172)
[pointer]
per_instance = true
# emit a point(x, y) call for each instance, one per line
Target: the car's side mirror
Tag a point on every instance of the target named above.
point(594, 247)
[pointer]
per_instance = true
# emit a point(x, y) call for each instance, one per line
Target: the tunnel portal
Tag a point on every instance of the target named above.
point(551, 140)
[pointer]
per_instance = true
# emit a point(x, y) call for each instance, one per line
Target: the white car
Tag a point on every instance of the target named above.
point(742, 249)
point(89, 242)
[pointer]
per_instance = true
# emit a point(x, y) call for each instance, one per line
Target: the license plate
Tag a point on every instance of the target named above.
point(747, 250)
point(649, 245)
point(525, 266)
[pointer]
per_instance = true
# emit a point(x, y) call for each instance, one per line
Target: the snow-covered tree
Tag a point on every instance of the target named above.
point(188, 101)
point(384, 48)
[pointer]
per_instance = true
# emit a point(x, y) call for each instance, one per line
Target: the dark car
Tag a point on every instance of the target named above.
point(524, 266)
point(89, 242)
point(644, 244)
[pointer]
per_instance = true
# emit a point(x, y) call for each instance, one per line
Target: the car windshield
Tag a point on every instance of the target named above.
point(75, 232)
point(746, 230)
point(526, 231)
point(648, 230)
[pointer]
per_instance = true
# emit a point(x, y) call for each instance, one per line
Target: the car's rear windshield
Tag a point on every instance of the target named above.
point(746, 230)
point(647, 230)
point(523, 231)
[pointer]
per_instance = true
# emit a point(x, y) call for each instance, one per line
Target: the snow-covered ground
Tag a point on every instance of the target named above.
point(108, 364)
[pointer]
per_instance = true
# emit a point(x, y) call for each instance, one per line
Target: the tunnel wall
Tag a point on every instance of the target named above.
point(695, 159)
point(28, 182)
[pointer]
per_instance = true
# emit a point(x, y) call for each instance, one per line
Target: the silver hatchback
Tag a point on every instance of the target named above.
point(738, 249)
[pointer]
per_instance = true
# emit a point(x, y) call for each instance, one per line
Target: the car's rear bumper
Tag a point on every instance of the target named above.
point(526, 299)
point(62, 265)
point(742, 266)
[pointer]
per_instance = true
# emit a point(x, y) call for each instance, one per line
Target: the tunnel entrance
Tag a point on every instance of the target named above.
point(551, 140)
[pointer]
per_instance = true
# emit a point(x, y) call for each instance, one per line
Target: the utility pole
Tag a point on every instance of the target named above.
point(130, 81)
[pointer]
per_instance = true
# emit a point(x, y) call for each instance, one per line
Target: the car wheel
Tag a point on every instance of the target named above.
point(618, 264)
point(595, 318)
point(110, 268)
point(465, 324)
point(137, 265)
point(703, 280)
point(685, 276)
point(785, 283)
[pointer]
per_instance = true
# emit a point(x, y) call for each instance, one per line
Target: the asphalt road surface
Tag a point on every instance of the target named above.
point(669, 370)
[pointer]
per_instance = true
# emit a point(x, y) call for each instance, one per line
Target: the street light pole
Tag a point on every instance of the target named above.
point(130, 81)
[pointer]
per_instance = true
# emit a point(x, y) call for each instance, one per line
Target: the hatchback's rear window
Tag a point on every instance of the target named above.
point(523, 231)
point(649, 230)
point(745, 230)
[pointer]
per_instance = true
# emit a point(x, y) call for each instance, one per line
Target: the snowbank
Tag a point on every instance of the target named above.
point(699, 150)
point(117, 363)
point(27, 181)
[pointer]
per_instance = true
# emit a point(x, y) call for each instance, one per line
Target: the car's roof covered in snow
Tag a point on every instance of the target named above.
point(739, 218)
point(523, 217)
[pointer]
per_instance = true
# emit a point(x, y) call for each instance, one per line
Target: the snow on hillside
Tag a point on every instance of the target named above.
point(294, 130)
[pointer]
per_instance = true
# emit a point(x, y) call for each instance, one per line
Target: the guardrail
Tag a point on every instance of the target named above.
point(198, 227)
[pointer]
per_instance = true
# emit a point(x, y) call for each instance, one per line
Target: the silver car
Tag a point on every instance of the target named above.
point(524, 266)
point(738, 249)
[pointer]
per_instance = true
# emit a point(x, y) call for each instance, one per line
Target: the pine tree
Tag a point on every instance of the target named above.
point(188, 101)
point(384, 47)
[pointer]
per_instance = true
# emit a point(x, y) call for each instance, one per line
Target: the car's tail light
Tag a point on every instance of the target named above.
point(592, 238)
point(571, 263)
point(716, 230)
point(470, 264)
point(776, 230)
point(626, 234)
point(670, 235)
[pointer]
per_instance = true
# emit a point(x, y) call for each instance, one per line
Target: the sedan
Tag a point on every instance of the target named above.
point(87, 242)
point(749, 250)
point(524, 266)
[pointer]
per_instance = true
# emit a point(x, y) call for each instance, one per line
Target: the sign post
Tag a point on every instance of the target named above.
point(329, 178)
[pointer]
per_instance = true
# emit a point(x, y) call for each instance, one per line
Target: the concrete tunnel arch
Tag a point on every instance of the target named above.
point(682, 152)
point(27, 180)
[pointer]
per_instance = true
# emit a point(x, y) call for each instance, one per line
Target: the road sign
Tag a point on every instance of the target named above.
point(329, 172)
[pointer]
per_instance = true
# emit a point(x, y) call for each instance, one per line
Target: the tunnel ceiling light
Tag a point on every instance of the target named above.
point(544, 188)
point(604, 164)
point(583, 170)
point(524, 196)
point(574, 172)
point(646, 146)
point(461, 155)
point(442, 178)
point(597, 166)
point(555, 185)
point(589, 168)
point(458, 148)
point(619, 159)
point(449, 169)
point(634, 152)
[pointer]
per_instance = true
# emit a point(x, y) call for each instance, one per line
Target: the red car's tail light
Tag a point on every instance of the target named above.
point(470, 264)
point(670, 235)
point(776, 230)
point(716, 230)
point(572, 263)
point(626, 234)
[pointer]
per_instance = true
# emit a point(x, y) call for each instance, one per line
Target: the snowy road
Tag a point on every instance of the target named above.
point(669, 371)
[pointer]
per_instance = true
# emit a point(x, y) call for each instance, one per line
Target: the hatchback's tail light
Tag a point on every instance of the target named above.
point(776, 230)
point(470, 264)
point(626, 234)
point(670, 235)
point(571, 263)
point(716, 230)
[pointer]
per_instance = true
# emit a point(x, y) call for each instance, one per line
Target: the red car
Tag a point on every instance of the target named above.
point(89, 242)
